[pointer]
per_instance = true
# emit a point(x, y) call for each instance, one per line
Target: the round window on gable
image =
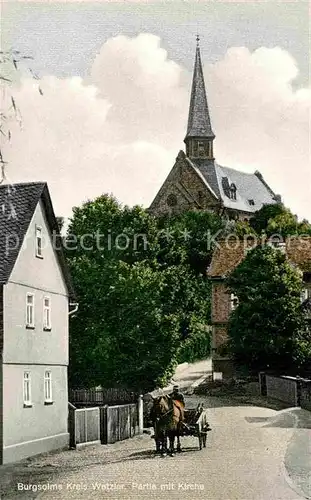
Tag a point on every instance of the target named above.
point(171, 200)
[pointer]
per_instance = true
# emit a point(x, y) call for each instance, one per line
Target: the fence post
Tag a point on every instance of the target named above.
point(262, 384)
point(140, 414)
point(298, 390)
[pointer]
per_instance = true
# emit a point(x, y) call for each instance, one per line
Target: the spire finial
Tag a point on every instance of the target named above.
point(198, 40)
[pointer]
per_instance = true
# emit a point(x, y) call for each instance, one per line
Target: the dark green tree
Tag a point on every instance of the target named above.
point(139, 303)
point(277, 219)
point(267, 329)
point(122, 336)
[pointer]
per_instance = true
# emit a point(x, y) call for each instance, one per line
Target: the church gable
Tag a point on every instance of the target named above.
point(184, 189)
point(172, 197)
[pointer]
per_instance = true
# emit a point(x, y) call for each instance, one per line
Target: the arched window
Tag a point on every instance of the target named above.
point(171, 200)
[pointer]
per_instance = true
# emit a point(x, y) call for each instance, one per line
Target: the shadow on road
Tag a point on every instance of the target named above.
point(286, 420)
point(150, 454)
point(232, 399)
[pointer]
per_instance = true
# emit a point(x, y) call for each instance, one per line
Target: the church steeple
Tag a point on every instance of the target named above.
point(200, 136)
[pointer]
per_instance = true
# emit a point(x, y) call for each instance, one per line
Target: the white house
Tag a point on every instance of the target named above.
point(35, 299)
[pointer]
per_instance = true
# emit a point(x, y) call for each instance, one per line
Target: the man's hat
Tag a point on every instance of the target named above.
point(175, 387)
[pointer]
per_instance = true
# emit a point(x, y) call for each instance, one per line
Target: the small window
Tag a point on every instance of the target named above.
point(39, 242)
point(30, 310)
point(251, 202)
point(232, 192)
point(48, 387)
point(171, 200)
point(304, 295)
point(47, 313)
point(27, 389)
point(201, 148)
point(234, 301)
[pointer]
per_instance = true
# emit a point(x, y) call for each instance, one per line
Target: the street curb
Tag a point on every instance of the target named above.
point(200, 380)
point(287, 477)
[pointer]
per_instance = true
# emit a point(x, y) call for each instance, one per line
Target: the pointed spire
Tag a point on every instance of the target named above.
point(199, 123)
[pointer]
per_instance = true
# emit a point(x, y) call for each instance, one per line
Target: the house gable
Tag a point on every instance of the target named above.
point(30, 270)
point(19, 203)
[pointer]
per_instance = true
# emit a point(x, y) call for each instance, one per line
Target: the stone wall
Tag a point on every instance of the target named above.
point(220, 303)
point(284, 389)
point(305, 395)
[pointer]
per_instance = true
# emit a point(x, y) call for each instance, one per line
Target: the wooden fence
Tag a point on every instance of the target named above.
point(84, 426)
point(106, 424)
point(118, 423)
point(100, 397)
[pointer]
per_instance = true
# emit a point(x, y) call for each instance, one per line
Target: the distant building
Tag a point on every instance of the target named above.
point(225, 259)
point(197, 181)
point(35, 293)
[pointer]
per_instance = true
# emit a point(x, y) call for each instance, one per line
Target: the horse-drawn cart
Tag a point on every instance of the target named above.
point(197, 424)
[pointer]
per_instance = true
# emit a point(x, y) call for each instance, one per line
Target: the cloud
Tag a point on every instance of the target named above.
point(261, 122)
point(120, 129)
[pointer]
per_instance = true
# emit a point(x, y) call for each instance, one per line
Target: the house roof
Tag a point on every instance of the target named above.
point(226, 257)
point(17, 206)
point(199, 123)
point(299, 252)
point(230, 252)
point(252, 192)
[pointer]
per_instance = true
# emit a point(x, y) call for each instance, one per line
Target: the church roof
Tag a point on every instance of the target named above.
point(199, 123)
point(252, 192)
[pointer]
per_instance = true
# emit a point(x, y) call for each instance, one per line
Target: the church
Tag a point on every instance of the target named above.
point(197, 181)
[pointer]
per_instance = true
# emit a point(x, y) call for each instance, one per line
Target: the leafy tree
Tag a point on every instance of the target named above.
point(122, 336)
point(103, 229)
point(191, 239)
point(260, 219)
point(277, 219)
point(267, 329)
point(287, 224)
point(138, 304)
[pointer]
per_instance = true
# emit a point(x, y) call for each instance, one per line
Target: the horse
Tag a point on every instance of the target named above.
point(167, 416)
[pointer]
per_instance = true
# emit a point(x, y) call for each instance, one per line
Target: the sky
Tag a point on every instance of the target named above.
point(115, 81)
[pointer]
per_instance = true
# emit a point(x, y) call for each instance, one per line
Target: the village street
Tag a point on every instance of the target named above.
point(252, 453)
point(249, 456)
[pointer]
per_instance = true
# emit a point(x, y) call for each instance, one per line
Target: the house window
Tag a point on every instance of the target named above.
point(304, 295)
point(30, 310)
point(48, 387)
point(234, 301)
point(27, 389)
point(251, 202)
point(47, 313)
point(39, 242)
point(232, 192)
